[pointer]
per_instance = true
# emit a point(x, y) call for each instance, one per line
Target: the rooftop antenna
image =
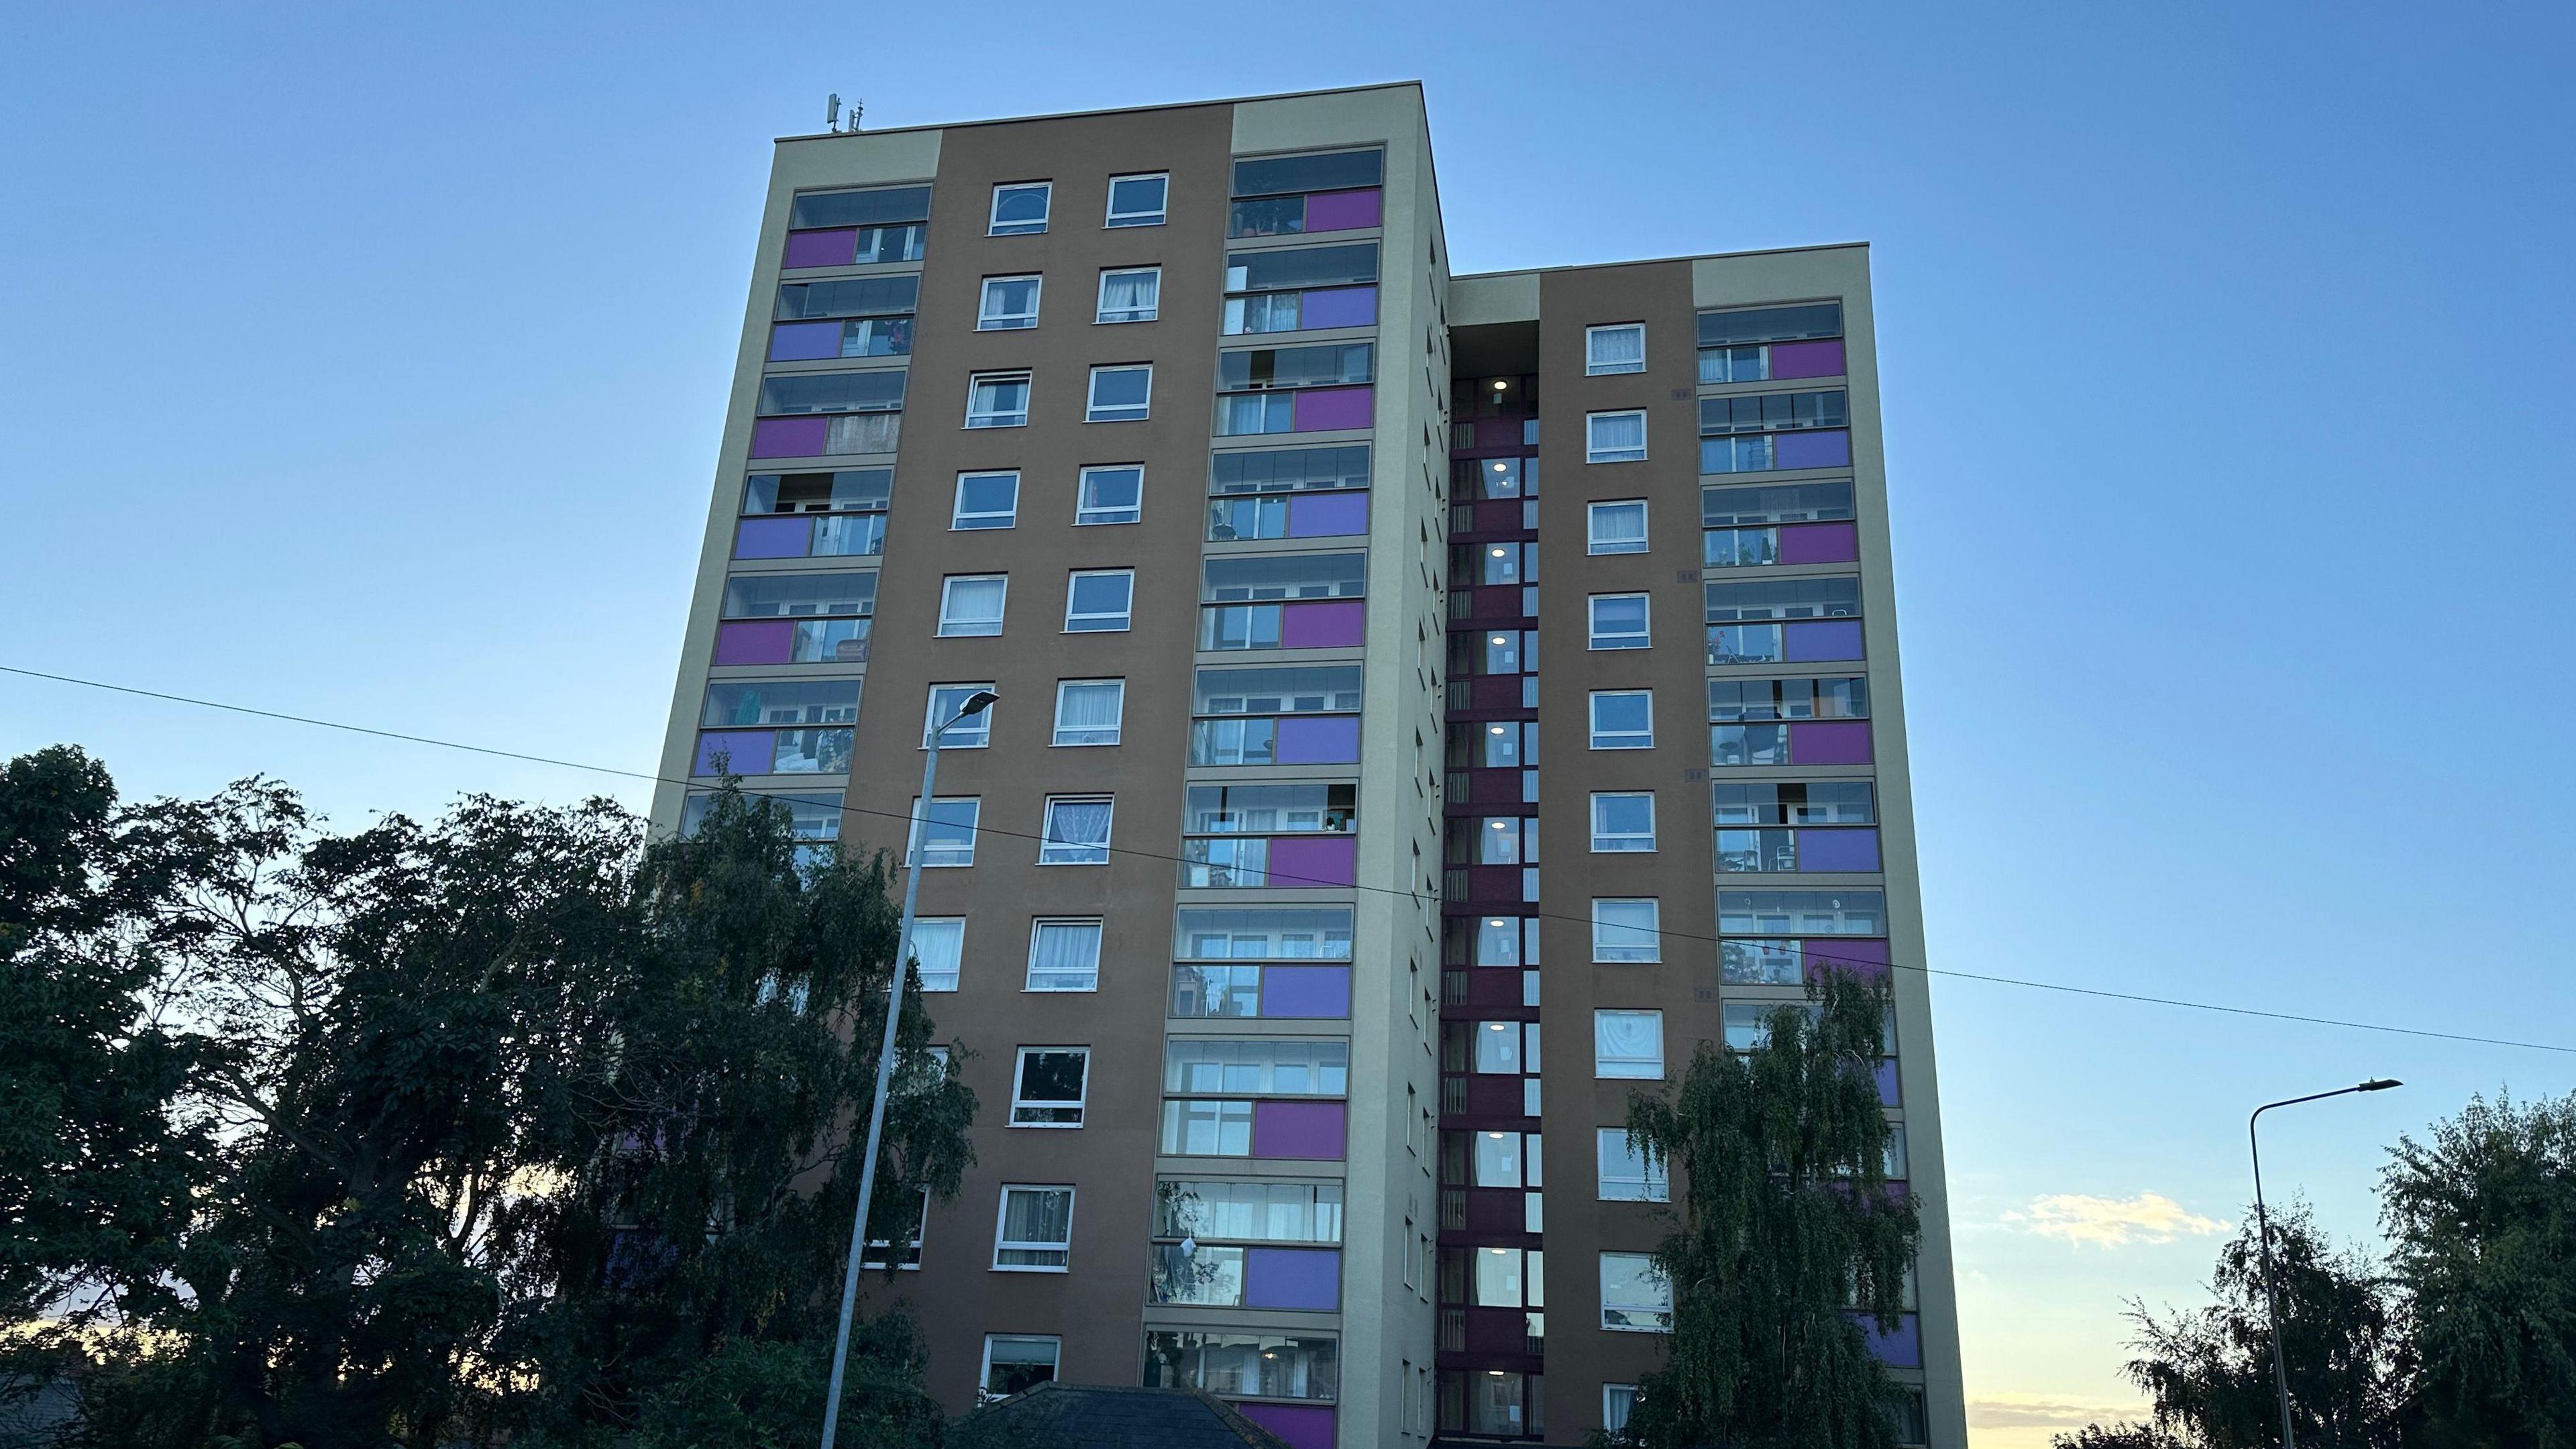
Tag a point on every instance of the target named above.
point(832, 112)
point(858, 108)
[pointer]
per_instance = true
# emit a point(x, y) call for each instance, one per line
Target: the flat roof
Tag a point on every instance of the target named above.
point(1107, 111)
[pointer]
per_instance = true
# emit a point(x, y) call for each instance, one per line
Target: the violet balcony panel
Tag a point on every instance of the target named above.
point(1902, 1348)
point(1818, 641)
point(790, 437)
point(1803, 543)
point(1344, 210)
point(756, 641)
point(1807, 359)
point(1313, 860)
point(837, 248)
point(1340, 624)
point(740, 752)
point(1829, 742)
point(1851, 851)
point(1302, 1278)
point(1337, 307)
point(804, 341)
point(772, 537)
point(1865, 957)
point(1825, 448)
point(1306, 993)
point(1333, 409)
point(1299, 1426)
point(1303, 1131)
point(1328, 515)
point(1321, 739)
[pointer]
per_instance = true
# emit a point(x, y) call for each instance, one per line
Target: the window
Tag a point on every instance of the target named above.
point(1267, 1067)
point(919, 1215)
point(937, 944)
point(1259, 1212)
point(1046, 1088)
point(1009, 302)
point(970, 605)
point(1626, 1175)
point(997, 400)
point(1014, 1362)
point(1618, 1401)
point(1628, 1044)
point(1020, 208)
point(1290, 470)
point(1130, 294)
point(1635, 1296)
point(1064, 956)
point(1119, 394)
point(1099, 601)
point(1614, 437)
point(1626, 930)
point(1620, 621)
point(1623, 719)
point(948, 836)
point(1089, 711)
point(1243, 1365)
point(1077, 830)
point(1138, 200)
point(1802, 913)
point(1616, 527)
point(1623, 821)
point(1035, 1231)
point(974, 732)
point(1110, 495)
point(1504, 1159)
point(986, 500)
point(1619, 348)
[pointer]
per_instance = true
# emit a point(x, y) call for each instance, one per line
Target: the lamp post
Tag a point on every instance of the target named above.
point(975, 704)
point(2263, 1236)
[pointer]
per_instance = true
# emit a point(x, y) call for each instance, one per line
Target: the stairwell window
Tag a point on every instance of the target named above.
point(1619, 348)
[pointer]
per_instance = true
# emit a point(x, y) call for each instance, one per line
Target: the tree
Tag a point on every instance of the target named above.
point(2483, 1222)
point(1788, 1232)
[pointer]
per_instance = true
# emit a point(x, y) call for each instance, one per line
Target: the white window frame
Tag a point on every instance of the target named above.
point(976, 381)
point(1594, 512)
point(1593, 734)
point(1610, 955)
point(1592, 635)
point(1592, 364)
point(1653, 1182)
point(877, 1248)
point(1091, 395)
point(1019, 1073)
point(984, 1377)
point(1082, 492)
point(1099, 303)
point(993, 224)
point(1126, 618)
point(988, 320)
point(1595, 454)
point(1115, 731)
point(1037, 928)
point(1598, 1074)
point(1156, 217)
point(1608, 1391)
point(974, 830)
point(1666, 1308)
point(958, 517)
point(951, 627)
point(955, 973)
point(1598, 835)
point(1046, 831)
point(982, 732)
point(1001, 1245)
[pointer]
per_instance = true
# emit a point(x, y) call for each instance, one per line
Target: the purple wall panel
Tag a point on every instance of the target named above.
point(1901, 1349)
point(804, 341)
point(755, 641)
point(749, 751)
point(1865, 956)
point(1310, 1131)
point(1829, 742)
point(1819, 543)
point(1323, 409)
point(1827, 448)
point(1325, 515)
point(1343, 210)
point(789, 437)
point(1814, 640)
point(1339, 624)
point(772, 537)
point(1306, 860)
point(1330, 739)
point(1314, 993)
point(1838, 850)
point(1807, 359)
point(821, 248)
point(1299, 1426)
point(1338, 307)
point(1309, 1278)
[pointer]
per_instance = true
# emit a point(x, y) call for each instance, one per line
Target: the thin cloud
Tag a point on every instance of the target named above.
point(2017, 1411)
point(2112, 1222)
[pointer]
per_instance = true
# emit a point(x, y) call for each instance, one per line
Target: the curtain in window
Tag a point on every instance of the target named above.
point(1630, 1036)
point(1065, 952)
point(1079, 823)
point(1620, 349)
point(1618, 433)
point(975, 598)
point(1038, 1217)
point(935, 945)
point(1135, 292)
point(1088, 708)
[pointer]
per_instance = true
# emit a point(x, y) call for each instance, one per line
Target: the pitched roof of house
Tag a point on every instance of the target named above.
point(1100, 1416)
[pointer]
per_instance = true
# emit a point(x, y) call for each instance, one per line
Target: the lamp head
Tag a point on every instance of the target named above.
point(976, 703)
point(2380, 1084)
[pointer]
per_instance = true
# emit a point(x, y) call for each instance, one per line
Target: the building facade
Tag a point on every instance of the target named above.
point(1171, 427)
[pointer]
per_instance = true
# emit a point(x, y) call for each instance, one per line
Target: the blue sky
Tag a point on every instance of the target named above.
point(369, 363)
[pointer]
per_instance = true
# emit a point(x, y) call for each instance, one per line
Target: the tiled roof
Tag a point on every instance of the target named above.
point(1096, 1416)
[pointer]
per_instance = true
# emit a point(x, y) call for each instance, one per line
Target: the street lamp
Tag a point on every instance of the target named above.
point(2263, 1235)
point(976, 703)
